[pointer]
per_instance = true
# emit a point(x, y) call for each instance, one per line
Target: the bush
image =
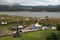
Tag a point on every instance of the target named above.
point(53, 36)
point(58, 27)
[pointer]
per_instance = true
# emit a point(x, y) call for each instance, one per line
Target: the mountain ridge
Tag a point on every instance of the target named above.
point(17, 7)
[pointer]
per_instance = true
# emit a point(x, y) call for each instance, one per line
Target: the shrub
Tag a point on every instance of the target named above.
point(53, 36)
point(58, 27)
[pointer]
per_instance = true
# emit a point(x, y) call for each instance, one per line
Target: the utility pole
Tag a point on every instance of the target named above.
point(17, 34)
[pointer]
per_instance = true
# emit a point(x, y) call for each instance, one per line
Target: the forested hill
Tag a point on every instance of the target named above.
point(17, 7)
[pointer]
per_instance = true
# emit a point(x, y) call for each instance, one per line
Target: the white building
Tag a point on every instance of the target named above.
point(53, 28)
point(44, 28)
point(42, 18)
point(38, 25)
point(27, 19)
point(3, 22)
point(20, 27)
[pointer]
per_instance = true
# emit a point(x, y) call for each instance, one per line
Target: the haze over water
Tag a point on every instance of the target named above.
point(34, 14)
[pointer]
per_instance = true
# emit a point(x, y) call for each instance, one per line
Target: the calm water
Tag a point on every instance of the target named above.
point(34, 14)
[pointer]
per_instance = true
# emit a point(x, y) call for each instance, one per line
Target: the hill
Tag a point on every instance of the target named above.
point(17, 7)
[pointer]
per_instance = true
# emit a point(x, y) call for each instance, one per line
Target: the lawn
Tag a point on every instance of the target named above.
point(38, 35)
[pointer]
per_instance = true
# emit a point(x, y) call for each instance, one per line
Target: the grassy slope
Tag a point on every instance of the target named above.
point(38, 35)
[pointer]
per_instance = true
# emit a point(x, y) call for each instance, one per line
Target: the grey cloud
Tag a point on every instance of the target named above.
point(29, 2)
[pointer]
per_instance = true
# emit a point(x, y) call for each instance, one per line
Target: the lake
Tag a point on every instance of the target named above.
point(34, 14)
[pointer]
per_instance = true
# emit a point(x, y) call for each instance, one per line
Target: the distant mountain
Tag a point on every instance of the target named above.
point(47, 8)
point(17, 7)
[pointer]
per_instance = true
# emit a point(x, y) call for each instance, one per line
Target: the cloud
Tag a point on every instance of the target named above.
point(7, 2)
point(53, 2)
point(31, 2)
point(40, 2)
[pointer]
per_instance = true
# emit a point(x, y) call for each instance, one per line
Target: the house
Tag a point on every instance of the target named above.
point(27, 19)
point(19, 27)
point(44, 28)
point(38, 25)
point(42, 18)
point(3, 23)
point(53, 28)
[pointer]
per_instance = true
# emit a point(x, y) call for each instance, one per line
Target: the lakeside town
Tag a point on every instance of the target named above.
point(18, 25)
point(29, 19)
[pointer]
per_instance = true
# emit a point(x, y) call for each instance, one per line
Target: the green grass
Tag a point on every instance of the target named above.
point(7, 26)
point(38, 35)
point(10, 25)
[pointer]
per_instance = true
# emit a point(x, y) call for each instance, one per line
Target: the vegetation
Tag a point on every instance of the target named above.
point(14, 20)
point(38, 35)
point(54, 36)
point(58, 27)
point(17, 7)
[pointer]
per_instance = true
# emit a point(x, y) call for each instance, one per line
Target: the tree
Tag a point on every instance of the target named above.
point(58, 27)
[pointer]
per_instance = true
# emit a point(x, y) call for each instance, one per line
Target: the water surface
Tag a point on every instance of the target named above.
point(34, 14)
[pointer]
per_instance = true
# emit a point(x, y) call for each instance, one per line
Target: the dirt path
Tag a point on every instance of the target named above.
point(29, 27)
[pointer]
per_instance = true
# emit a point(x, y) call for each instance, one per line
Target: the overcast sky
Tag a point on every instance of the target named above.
point(31, 2)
